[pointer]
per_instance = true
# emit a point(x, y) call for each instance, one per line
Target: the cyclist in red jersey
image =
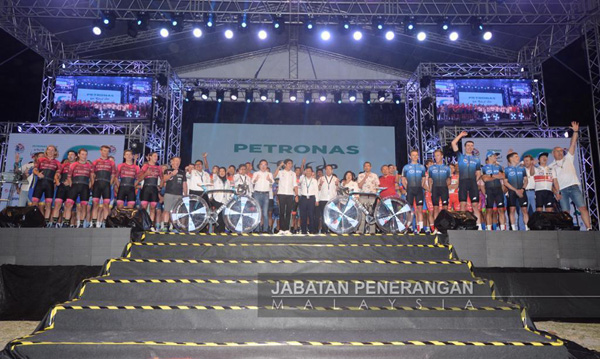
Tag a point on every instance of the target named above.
point(80, 179)
point(126, 181)
point(150, 173)
point(62, 191)
point(103, 174)
point(45, 168)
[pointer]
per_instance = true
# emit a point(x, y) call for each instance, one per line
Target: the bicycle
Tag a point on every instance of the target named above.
point(344, 213)
point(241, 213)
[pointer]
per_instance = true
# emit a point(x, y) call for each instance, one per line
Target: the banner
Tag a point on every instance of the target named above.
point(25, 145)
point(343, 147)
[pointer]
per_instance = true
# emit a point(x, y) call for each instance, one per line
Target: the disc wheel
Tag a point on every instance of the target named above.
point(242, 215)
point(392, 215)
point(190, 214)
point(342, 215)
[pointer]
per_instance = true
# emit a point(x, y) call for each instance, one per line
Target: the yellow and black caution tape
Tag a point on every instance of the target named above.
point(290, 261)
point(330, 245)
point(302, 308)
point(280, 236)
point(272, 281)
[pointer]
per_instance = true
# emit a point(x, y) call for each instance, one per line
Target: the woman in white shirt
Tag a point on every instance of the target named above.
point(262, 182)
point(350, 183)
point(220, 198)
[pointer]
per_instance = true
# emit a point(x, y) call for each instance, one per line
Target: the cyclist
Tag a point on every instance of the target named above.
point(126, 180)
point(469, 171)
point(45, 168)
point(80, 180)
point(413, 179)
point(104, 175)
point(516, 182)
point(150, 173)
point(63, 189)
point(493, 174)
point(439, 180)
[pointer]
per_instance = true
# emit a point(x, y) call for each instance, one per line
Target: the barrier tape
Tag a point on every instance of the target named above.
point(278, 235)
point(272, 281)
point(289, 244)
point(289, 261)
point(302, 308)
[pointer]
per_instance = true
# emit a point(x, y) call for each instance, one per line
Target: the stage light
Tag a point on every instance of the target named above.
point(566, 134)
point(325, 35)
point(132, 29)
point(421, 36)
point(278, 24)
point(443, 26)
point(487, 36)
point(293, 96)
point(264, 95)
point(337, 97)
point(233, 95)
point(309, 23)
point(109, 19)
point(243, 23)
point(378, 23)
point(345, 24)
point(397, 99)
point(410, 26)
point(228, 34)
point(476, 27)
point(177, 22)
point(453, 36)
point(381, 96)
point(249, 95)
point(389, 35)
point(278, 96)
point(262, 34)
point(357, 35)
point(209, 22)
point(323, 96)
point(205, 93)
point(142, 21)
point(189, 96)
point(164, 32)
point(197, 31)
point(220, 95)
point(307, 97)
point(366, 97)
point(96, 30)
point(351, 95)
point(64, 66)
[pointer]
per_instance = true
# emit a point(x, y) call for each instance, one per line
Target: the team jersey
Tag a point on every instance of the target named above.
point(490, 170)
point(64, 171)
point(152, 174)
point(515, 176)
point(104, 169)
point(414, 173)
point(439, 174)
point(454, 182)
point(544, 178)
point(80, 172)
point(47, 167)
point(468, 165)
point(127, 174)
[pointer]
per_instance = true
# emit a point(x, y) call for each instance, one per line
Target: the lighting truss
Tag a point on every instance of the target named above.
point(448, 133)
point(286, 85)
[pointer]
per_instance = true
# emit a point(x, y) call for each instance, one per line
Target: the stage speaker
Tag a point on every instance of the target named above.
point(551, 221)
point(455, 220)
point(15, 217)
point(136, 219)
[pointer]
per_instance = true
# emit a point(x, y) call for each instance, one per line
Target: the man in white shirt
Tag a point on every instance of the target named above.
point(568, 181)
point(263, 182)
point(242, 179)
point(367, 182)
point(197, 180)
point(309, 198)
point(546, 185)
point(27, 171)
point(328, 185)
point(287, 194)
point(529, 164)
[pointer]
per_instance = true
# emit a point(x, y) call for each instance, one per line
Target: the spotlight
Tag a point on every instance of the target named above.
point(205, 94)
point(443, 26)
point(389, 35)
point(108, 19)
point(228, 34)
point(337, 97)
point(177, 22)
point(453, 36)
point(366, 97)
point(220, 95)
point(264, 95)
point(323, 96)
point(132, 28)
point(97, 30)
point(345, 24)
point(307, 96)
point(378, 23)
point(397, 99)
point(197, 31)
point(309, 23)
point(262, 34)
point(381, 96)
point(142, 21)
point(357, 35)
point(293, 96)
point(421, 36)
point(164, 32)
point(233, 95)
point(325, 35)
point(249, 95)
point(243, 23)
point(351, 95)
point(477, 26)
point(209, 22)
point(278, 24)
point(189, 96)
point(278, 96)
point(487, 35)
point(410, 26)
point(566, 134)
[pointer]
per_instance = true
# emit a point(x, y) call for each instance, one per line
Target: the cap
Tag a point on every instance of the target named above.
point(491, 153)
point(542, 154)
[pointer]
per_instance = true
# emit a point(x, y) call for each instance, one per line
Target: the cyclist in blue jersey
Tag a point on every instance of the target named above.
point(439, 180)
point(516, 182)
point(413, 179)
point(493, 174)
point(469, 171)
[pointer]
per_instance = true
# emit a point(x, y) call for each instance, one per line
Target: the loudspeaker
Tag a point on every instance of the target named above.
point(551, 221)
point(136, 219)
point(15, 217)
point(455, 220)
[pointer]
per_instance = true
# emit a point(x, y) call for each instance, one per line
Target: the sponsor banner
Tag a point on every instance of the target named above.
point(99, 96)
point(480, 98)
point(25, 145)
point(344, 147)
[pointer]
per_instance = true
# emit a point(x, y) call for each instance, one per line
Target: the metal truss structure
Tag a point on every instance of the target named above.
point(592, 44)
point(164, 136)
point(133, 132)
point(448, 133)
